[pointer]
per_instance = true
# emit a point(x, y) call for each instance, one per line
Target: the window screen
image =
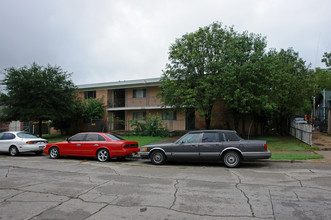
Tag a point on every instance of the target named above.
point(139, 115)
point(90, 94)
point(139, 93)
point(169, 115)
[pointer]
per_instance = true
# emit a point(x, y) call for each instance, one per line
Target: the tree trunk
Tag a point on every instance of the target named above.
point(40, 128)
point(207, 120)
point(236, 121)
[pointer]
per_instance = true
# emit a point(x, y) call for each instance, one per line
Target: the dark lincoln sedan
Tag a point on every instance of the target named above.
point(207, 145)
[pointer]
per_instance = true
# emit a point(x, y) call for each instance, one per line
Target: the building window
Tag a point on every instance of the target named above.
point(139, 93)
point(169, 115)
point(90, 95)
point(139, 115)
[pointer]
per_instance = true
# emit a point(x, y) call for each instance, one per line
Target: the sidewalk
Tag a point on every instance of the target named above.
point(323, 142)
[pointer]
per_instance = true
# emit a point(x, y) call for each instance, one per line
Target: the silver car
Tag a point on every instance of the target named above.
point(15, 142)
point(207, 145)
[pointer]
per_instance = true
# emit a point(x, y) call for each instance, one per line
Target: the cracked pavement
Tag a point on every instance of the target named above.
point(37, 187)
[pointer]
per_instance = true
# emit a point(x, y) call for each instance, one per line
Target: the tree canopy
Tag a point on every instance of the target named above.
point(217, 62)
point(290, 86)
point(327, 60)
point(208, 63)
point(93, 109)
point(37, 93)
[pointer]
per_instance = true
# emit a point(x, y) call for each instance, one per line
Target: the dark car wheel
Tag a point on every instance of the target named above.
point(158, 158)
point(13, 151)
point(231, 159)
point(54, 153)
point(103, 155)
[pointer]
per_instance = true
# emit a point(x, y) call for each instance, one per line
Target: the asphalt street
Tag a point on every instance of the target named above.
point(37, 187)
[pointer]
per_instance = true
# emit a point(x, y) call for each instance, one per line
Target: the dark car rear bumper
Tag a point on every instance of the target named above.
point(256, 155)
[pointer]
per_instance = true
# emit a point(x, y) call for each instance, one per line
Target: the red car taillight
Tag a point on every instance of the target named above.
point(131, 146)
point(265, 147)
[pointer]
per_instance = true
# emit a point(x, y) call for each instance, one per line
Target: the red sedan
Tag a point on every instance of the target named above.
point(91, 144)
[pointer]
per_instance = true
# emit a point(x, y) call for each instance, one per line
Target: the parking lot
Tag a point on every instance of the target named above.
point(37, 187)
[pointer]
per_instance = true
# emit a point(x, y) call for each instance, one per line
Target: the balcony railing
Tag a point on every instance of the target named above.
point(116, 103)
point(134, 102)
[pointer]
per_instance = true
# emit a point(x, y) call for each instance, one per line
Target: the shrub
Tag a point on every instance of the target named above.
point(151, 126)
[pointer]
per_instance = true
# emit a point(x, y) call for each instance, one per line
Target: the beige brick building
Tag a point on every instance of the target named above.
point(135, 99)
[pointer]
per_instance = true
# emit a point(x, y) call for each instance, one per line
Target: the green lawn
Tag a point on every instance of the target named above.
point(286, 143)
point(295, 156)
point(289, 145)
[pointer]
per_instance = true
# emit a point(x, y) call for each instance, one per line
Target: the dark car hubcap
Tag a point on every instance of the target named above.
point(158, 158)
point(231, 159)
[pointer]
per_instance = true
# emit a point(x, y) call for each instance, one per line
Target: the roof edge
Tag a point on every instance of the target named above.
point(121, 84)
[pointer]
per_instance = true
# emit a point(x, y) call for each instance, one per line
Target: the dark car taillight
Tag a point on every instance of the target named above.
point(265, 147)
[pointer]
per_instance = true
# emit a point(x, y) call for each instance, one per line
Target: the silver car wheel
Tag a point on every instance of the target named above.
point(13, 151)
point(103, 155)
point(231, 159)
point(158, 158)
point(54, 153)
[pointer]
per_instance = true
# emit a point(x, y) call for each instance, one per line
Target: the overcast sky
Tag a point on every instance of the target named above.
point(110, 40)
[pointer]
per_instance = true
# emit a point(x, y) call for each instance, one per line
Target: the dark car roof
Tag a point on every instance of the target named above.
point(209, 131)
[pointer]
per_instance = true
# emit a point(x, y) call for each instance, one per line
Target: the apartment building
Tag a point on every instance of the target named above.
point(135, 99)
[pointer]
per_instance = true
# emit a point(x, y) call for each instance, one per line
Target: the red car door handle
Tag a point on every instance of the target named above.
point(78, 145)
point(96, 145)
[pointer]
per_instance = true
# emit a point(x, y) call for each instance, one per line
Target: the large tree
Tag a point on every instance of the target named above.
point(37, 93)
point(290, 86)
point(322, 76)
point(214, 61)
point(243, 80)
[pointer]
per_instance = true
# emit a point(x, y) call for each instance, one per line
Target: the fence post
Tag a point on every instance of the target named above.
point(329, 121)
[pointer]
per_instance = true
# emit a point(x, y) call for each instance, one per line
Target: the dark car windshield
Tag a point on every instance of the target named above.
point(114, 137)
point(26, 135)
